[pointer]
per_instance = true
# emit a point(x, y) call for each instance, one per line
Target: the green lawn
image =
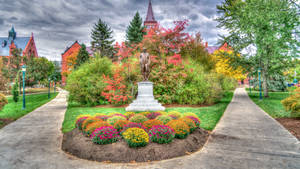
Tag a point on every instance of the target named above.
point(209, 116)
point(271, 105)
point(14, 110)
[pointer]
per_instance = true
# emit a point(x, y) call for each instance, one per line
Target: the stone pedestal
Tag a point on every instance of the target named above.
point(145, 100)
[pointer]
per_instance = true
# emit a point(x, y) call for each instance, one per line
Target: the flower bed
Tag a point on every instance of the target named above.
point(121, 138)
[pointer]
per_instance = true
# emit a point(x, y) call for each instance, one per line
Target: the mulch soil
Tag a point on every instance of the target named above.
point(4, 122)
point(292, 125)
point(75, 143)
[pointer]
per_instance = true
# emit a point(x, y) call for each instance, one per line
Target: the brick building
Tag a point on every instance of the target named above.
point(12, 41)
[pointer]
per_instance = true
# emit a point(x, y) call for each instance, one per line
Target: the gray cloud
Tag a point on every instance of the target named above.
point(57, 24)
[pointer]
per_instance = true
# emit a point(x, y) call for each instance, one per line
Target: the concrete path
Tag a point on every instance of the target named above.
point(246, 137)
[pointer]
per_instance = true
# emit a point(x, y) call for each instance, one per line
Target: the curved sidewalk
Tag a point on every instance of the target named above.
point(246, 137)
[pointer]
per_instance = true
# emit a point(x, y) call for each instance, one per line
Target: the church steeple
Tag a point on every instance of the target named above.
point(150, 20)
point(12, 34)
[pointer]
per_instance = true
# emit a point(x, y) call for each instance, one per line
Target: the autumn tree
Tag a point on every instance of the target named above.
point(3, 80)
point(102, 39)
point(265, 26)
point(135, 31)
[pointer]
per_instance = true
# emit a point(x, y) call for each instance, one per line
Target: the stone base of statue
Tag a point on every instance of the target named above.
point(145, 100)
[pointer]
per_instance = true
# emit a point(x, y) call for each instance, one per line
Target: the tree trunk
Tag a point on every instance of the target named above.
point(264, 84)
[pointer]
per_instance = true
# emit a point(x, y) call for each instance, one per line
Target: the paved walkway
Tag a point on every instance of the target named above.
point(246, 137)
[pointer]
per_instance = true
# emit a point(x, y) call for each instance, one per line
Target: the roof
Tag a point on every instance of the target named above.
point(5, 42)
point(150, 16)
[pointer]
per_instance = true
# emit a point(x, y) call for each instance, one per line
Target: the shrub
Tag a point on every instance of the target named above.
point(79, 122)
point(119, 125)
point(129, 114)
point(102, 117)
point(119, 114)
point(196, 120)
point(3, 101)
point(138, 118)
point(174, 114)
point(189, 122)
point(181, 129)
point(136, 137)
point(292, 103)
point(105, 135)
point(153, 115)
point(88, 121)
point(114, 119)
point(145, 113)
point(85, 84)
point(92, 126)
point(161, 134)
point(133, 125)
point(150, 123)
point(15, 91)
point(164, 118)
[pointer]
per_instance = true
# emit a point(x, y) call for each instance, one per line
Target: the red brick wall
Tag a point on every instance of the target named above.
point(74, 48)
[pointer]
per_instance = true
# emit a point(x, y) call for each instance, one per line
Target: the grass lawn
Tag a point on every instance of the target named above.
point(271, 105)
point(209, 116)
point(14, 110)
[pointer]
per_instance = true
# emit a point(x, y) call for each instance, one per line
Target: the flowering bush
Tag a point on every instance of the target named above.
point(189, 122)
point(196, 120)
point(119, 125)
point(88, 121)
point(164, 118)
point(161, 134)
point(145, 113)
point(114, 119)
point(174, 114)
point(181, 129)
point(102, 117)
point(153, 115)
point(133, 125)
point(136, 137)
point(105, 135)
point(150, 123)
point(79, 122)
point(92, 126)
point(119, 114)
point(138, 118)
point(129, 114)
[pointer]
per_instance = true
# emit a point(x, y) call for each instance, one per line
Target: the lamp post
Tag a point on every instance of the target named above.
point(260, 93)
point(49, 88)
point(295, 79)
point(24, 71)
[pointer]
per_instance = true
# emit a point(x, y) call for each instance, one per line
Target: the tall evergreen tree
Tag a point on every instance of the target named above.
point(135, 33)
point(82, 56)
point(102, 39)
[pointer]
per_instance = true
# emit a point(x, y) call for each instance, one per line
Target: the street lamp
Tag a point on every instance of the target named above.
point(260, 93)
point(49, 88)
point(24, 71)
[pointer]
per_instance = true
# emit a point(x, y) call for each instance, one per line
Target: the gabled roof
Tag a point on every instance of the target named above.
point(5, 42)
point(150, 16)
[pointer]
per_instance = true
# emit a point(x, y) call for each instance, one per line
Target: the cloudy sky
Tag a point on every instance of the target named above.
point(56, 24)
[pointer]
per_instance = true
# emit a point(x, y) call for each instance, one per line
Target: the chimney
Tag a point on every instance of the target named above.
point(206, 44)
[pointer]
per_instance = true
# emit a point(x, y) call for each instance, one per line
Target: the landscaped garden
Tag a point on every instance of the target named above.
point(13, 110)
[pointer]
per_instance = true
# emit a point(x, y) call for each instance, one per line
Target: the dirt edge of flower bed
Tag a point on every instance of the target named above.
point(75, 143)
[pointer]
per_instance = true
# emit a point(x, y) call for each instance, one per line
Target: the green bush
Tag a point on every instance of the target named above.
point(86, 83)
point(164, 118)
point(15, 92)
point(138, 118)
point(114, 119)
point(3, 101)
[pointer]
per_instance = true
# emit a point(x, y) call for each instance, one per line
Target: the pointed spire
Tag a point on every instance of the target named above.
point(150, 16)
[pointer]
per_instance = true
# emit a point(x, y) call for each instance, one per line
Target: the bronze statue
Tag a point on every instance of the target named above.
point(145, 64)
